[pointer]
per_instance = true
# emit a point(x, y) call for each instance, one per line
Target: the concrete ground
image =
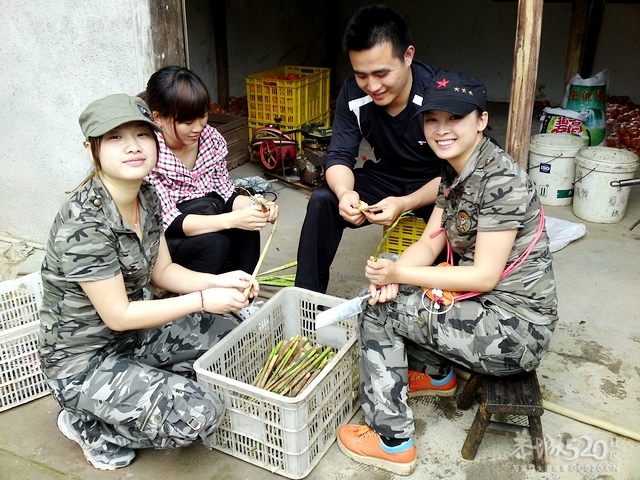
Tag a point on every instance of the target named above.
point(592, 368)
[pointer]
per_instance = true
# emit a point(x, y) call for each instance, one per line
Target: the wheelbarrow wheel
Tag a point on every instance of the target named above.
point(269, 154)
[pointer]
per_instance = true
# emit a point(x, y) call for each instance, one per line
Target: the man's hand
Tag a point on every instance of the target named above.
point(348, 205)
point(385, 212)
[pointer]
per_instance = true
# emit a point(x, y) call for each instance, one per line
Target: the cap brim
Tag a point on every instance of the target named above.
point(116, 122)
point(452, 106)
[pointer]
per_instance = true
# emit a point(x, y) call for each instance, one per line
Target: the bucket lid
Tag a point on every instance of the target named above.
point(556, 144)
point(607, 159)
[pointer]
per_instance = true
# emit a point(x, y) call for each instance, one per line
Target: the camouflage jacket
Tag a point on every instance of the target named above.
point(494, 193)
point(90, 241)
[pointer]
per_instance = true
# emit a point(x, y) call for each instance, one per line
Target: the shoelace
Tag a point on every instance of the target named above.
point(365, 431)
point(414, 375)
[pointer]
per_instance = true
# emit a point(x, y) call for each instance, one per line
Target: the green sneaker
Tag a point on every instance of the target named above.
point(108, 457)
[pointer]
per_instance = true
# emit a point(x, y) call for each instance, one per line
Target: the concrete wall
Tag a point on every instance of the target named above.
point(58, 55)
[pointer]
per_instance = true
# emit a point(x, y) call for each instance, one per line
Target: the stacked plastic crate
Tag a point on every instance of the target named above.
point(288, 96)
point(21, 379)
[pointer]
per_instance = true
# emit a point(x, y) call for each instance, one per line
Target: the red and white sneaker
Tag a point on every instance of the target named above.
point(421, 384)
point(364, 445)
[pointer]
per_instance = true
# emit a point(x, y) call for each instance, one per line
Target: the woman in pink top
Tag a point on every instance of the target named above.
point(209, 226)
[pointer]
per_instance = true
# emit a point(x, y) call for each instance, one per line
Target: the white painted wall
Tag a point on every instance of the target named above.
point(56, 57)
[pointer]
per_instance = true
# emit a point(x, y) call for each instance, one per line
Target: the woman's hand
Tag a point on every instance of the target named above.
point(223, 300)
point(382, 294)
point(381, 271)
point(274, 211)
point(238, 280)
point(253, 217)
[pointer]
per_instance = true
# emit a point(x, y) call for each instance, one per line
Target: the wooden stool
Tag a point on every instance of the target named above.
point(512, 395)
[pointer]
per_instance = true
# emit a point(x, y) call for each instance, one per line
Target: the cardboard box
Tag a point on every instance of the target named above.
point(235, 131)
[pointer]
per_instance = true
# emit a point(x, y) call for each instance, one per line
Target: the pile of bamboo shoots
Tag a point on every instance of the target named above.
point(292, 365)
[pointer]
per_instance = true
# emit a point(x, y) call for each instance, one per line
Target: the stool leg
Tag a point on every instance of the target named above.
point(466, 398)
point(476, 432)
point(537, 441)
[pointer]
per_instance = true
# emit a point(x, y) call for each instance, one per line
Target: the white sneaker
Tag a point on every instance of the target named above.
point(109, 457)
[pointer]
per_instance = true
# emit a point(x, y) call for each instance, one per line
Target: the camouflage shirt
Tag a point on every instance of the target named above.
point(494, 193)
point(90, 241)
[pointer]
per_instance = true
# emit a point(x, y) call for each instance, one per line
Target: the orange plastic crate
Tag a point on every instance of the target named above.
point(288, 102)
point(406, 233)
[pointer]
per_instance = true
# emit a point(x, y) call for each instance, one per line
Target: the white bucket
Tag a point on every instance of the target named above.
point(595, 200)
point(552, 166)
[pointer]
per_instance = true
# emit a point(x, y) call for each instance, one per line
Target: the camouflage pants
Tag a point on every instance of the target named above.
point(396, 336)
point(135, 398)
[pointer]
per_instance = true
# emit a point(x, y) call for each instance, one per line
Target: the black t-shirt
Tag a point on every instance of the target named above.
point(398, 142)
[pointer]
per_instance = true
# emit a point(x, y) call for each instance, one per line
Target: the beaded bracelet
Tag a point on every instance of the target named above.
point(202, 301)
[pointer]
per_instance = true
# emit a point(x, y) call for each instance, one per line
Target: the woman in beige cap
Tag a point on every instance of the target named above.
point(120, 366)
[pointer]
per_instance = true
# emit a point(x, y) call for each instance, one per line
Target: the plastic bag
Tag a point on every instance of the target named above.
point(255, 184)
point(589, 96)
point(11, 259)
point(562, 232)
point(560, 120)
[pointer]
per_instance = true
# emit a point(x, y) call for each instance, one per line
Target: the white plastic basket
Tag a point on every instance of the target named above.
point(286, 435)
point(21, 379)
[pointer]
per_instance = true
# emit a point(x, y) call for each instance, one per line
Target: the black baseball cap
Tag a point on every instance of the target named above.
point(454, 92)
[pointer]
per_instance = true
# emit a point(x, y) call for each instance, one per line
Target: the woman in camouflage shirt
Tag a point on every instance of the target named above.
point(114, 362)
point(487, 211)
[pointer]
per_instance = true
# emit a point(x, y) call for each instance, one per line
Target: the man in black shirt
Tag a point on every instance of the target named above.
point(379, 104)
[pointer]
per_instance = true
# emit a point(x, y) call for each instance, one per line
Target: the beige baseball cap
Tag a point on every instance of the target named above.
point(112, 111)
